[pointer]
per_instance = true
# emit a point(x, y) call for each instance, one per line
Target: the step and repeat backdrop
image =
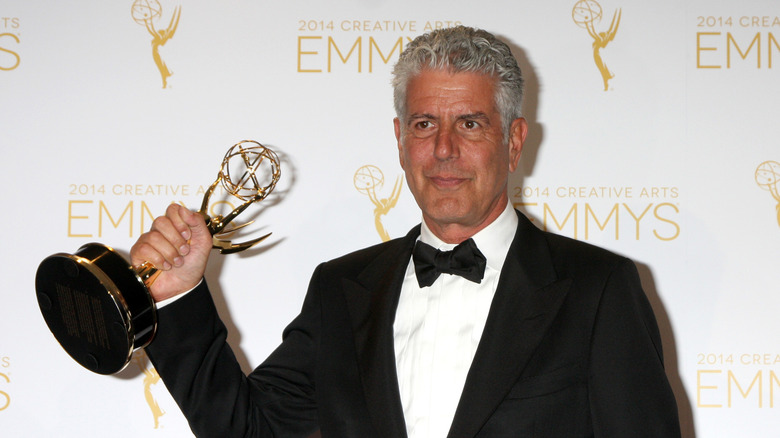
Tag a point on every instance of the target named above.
point(653, 133)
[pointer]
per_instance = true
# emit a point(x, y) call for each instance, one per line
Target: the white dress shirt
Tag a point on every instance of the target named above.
point(437, 330)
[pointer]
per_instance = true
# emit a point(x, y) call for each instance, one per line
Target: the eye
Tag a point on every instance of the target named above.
point(423, 124)
point(470, 124)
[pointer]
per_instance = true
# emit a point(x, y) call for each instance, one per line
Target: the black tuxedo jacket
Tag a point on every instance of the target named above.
point(570, 349)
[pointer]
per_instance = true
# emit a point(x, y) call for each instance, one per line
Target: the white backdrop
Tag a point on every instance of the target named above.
point(675, 165)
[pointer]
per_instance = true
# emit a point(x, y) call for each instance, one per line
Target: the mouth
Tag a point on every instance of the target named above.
point(446, 181)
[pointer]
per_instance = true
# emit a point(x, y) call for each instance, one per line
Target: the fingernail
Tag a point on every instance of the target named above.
point(186, 234)
point(178, 261)
point(166, 266)
point(184, 250)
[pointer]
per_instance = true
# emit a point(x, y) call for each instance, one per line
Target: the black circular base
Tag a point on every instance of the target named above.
point(96, 306)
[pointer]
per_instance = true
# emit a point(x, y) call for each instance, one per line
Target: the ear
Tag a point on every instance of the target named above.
point(517, 133)
point(397, 128)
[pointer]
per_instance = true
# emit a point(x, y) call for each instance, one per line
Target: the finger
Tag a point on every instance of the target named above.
point(153, 248)
point(162, 246)
point(194, 220)
point(181, 219)
point(166, 226)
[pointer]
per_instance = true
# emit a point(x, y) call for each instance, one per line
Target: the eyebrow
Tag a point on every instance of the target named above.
point(417, 116)
point(478, 115)
point(473, 116)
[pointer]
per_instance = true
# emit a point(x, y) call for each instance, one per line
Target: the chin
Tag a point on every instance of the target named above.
point(446, 212)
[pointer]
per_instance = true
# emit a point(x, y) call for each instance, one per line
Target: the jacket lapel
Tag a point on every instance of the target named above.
point(527, 299)
point(372, 299)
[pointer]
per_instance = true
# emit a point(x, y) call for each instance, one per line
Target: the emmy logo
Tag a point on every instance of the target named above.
point(150, 378)
point(584, 14)
point(368, 179)
point(146, 12)
point(768, 178)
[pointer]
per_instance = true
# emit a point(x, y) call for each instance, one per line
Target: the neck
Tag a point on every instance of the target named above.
point(455, 232)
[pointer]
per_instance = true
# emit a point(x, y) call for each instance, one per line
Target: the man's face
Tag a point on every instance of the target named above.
point(451, 148)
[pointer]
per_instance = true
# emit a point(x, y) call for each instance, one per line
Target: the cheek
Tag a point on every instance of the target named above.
point(404, 156)
point(492, 169)
point(412, 157)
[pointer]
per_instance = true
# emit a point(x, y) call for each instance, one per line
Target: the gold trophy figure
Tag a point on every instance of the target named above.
point(367, 180)
point(146, 12)
point(584, 13)
point(150, 378)
point(98, 306)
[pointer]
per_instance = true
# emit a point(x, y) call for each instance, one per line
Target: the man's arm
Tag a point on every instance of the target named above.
point(201, 372)
point(629, 391)
point(193, 359)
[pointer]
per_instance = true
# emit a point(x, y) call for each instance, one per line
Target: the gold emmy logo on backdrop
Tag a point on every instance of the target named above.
point(146, 13)
point(584, 14)
point(368, 179)
point(768, 178)
point(150, 378)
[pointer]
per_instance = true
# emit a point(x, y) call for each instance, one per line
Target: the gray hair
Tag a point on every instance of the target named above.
point(462, 49)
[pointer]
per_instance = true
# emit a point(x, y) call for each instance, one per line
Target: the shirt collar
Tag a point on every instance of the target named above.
point(493, 240)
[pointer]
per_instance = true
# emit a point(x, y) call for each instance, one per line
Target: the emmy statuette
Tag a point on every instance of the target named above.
point(98, 306)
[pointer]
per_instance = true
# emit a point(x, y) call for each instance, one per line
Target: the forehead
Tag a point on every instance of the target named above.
point(444, 89)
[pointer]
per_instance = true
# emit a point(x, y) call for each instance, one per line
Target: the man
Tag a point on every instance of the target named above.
point(541, 336)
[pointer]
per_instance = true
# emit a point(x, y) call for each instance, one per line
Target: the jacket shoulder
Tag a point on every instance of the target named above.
point(353, 263)
point(571, 256)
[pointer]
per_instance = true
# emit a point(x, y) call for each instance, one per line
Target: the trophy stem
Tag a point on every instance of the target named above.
point(206, 196)
point(218, 225)
point(147, 273)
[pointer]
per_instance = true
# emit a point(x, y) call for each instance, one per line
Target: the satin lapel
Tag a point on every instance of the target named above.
point(372, 300)
point(528, 297)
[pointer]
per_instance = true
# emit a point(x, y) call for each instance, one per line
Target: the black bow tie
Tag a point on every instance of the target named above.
point(465, 260)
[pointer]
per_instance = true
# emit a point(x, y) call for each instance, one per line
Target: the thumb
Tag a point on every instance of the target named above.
point(197, 232)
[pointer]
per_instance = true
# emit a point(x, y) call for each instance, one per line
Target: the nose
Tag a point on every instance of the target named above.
point(445, 147)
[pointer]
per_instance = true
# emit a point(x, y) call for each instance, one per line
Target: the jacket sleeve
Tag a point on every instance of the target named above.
point(629, 391)
point(199, 369)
